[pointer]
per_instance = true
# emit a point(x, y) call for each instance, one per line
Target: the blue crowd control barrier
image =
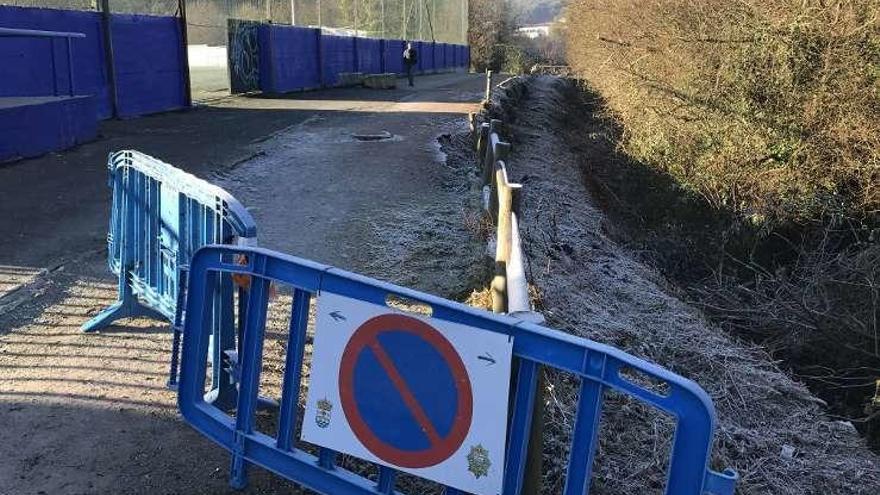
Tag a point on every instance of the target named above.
point(599, 367)
point(160, 215)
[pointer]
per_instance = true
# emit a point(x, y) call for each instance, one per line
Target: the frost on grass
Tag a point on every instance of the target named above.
point(432, 245)
point(769, 427)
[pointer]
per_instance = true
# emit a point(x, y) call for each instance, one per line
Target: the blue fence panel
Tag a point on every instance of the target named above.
point(289, 58)
point(149, 64)
point(337, 55)
point(369, 55)
point(37, 67)
point(159, 217)
point(598, 367)
point(394, 56)
point(449, 56)
point(439, 63)
point(426, 56)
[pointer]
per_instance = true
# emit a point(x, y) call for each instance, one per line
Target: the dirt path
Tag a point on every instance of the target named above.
point(90, 413)
point(770, 428)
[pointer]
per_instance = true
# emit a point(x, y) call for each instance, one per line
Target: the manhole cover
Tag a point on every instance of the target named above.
point(370, 136)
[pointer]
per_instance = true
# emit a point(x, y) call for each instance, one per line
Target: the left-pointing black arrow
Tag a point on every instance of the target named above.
point(488, 358)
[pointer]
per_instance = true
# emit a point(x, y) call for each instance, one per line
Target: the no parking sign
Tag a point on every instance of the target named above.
point(421, 395)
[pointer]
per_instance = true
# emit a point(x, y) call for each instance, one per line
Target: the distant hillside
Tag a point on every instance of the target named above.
point(538, 11)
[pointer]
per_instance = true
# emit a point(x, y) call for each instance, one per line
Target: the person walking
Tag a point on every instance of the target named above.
point(410, 59)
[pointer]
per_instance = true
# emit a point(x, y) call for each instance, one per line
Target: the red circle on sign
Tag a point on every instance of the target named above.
point(441, 447)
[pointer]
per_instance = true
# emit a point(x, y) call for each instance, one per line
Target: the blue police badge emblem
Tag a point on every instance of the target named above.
point(478, 461)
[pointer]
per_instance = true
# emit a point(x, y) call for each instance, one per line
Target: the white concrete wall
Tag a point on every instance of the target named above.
point(206, 56)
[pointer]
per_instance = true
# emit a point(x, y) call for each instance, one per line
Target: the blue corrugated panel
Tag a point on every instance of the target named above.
point(149, 65)
point(337, 55)
point(289, 59)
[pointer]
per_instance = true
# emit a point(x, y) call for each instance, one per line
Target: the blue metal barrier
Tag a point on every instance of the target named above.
point(599, 367)
point(160, 215)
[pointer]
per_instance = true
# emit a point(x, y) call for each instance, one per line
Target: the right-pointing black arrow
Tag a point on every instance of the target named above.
point(488, 358)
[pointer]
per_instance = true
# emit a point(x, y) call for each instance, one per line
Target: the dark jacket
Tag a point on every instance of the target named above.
point(410, 56)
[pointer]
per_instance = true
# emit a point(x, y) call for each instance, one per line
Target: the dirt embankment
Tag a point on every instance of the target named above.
point(770, 428)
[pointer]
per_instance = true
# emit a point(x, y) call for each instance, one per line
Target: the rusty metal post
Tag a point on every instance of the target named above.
point(482, 140)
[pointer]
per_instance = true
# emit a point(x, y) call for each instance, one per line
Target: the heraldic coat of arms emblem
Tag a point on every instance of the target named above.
point(322, 417)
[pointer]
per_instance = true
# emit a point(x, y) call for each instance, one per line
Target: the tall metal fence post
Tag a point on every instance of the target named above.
point(109, 63)
point(184, 54)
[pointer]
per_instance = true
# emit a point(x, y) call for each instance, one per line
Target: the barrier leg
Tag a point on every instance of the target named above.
point(224, 354)
point(126, 307)
point(177, 332)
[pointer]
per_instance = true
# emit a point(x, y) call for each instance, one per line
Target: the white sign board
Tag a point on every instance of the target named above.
point(421, 395)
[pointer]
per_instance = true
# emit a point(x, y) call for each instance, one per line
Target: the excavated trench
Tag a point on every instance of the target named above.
point(591, 282)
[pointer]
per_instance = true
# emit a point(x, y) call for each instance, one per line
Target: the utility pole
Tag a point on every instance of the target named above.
point(293, 12)
point(356, 17)
point(319, 14)
point(421, 14)
point(382, 2)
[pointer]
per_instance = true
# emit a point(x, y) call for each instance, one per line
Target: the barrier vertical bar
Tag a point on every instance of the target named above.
point(520, 425)
point(385, 484)
point(326, 458)
point(583, 446)
point(296, 339)
point(251, 360)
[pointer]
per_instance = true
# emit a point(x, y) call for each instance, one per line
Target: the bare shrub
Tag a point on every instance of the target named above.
point(765, 107)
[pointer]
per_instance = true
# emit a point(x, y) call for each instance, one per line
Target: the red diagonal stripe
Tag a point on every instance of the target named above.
point(408, 398)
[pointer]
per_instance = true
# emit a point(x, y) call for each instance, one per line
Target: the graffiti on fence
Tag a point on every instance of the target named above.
point(244, 56)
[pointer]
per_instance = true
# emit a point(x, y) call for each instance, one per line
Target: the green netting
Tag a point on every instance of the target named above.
point(440, 20)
